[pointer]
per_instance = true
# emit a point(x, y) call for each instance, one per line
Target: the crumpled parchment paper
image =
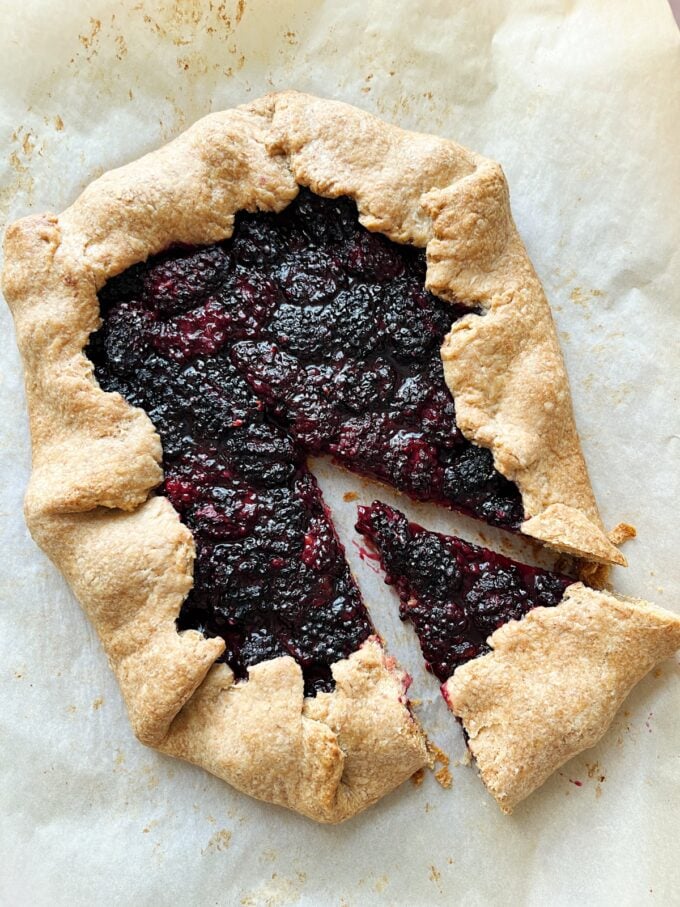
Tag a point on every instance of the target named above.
point(579, 101)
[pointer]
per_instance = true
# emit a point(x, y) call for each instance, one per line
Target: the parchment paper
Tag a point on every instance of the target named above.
point(580, 103)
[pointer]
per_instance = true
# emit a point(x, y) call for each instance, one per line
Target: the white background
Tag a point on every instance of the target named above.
point(579, 101)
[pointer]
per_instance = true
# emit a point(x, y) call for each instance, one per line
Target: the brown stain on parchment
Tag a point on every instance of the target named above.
point(616, 394)
point(218, 842)
point(194, 62)
point(275, 892)
point(196, 25)
point(381, 884)
point(435, 877)
point(181, 20)
point(596, 773)
point(583, 298)
point(24, 142)
point(121, 47)
point(90, 41)
point(237, 67)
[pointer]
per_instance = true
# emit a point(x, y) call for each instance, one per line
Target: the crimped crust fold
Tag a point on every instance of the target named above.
point(553, 683)
point(96, 459)
point(328, 757)
point(131, 572)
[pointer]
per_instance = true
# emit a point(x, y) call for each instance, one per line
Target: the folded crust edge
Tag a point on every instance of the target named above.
point(553, 684)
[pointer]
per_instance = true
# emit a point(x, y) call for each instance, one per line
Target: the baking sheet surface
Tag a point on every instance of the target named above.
point(579, 101)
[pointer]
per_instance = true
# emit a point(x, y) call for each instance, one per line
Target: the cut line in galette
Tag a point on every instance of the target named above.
point(386, 312)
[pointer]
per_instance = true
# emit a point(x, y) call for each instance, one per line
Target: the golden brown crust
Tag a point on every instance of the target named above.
point(96, 459)
point(505, 368)
point(329, 757)
point(131, 572)
point(553, 684)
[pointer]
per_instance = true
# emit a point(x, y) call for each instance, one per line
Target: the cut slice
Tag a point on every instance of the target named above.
point(454, 593)
point(533, 664)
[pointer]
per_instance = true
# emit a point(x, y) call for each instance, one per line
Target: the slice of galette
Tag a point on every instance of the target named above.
point(533, 663)
point(286, 278)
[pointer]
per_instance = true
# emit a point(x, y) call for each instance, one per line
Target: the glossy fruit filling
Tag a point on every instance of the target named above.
point(455, 594)
point(303, 333)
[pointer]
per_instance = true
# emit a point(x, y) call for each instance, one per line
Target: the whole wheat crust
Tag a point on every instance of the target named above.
point(96, 459)
point(553, 683)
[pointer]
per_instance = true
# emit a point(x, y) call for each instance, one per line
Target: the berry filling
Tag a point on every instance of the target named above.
point(303, 333)
point(455, 594)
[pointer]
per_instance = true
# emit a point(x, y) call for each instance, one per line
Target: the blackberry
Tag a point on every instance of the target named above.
point(183, 277)
point(471, 471)
point(301, 330)
point(364, 386)
point(311, 276)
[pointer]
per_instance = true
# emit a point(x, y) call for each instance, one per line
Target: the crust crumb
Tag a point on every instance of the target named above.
point(350, 496)
point(621, 533)
point(597, 575)
point(444, 777)
point(443, 773)
point(418, 777)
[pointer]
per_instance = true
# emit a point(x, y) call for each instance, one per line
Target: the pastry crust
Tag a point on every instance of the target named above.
point(329, 757)
point(553, 683)
point(96, 459)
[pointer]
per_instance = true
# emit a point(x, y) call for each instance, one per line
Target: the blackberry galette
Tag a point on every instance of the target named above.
point(288, 278)
point(533, 663)
point(302, 333)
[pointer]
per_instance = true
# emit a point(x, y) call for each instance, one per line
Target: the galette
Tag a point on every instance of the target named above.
point(290, 278)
